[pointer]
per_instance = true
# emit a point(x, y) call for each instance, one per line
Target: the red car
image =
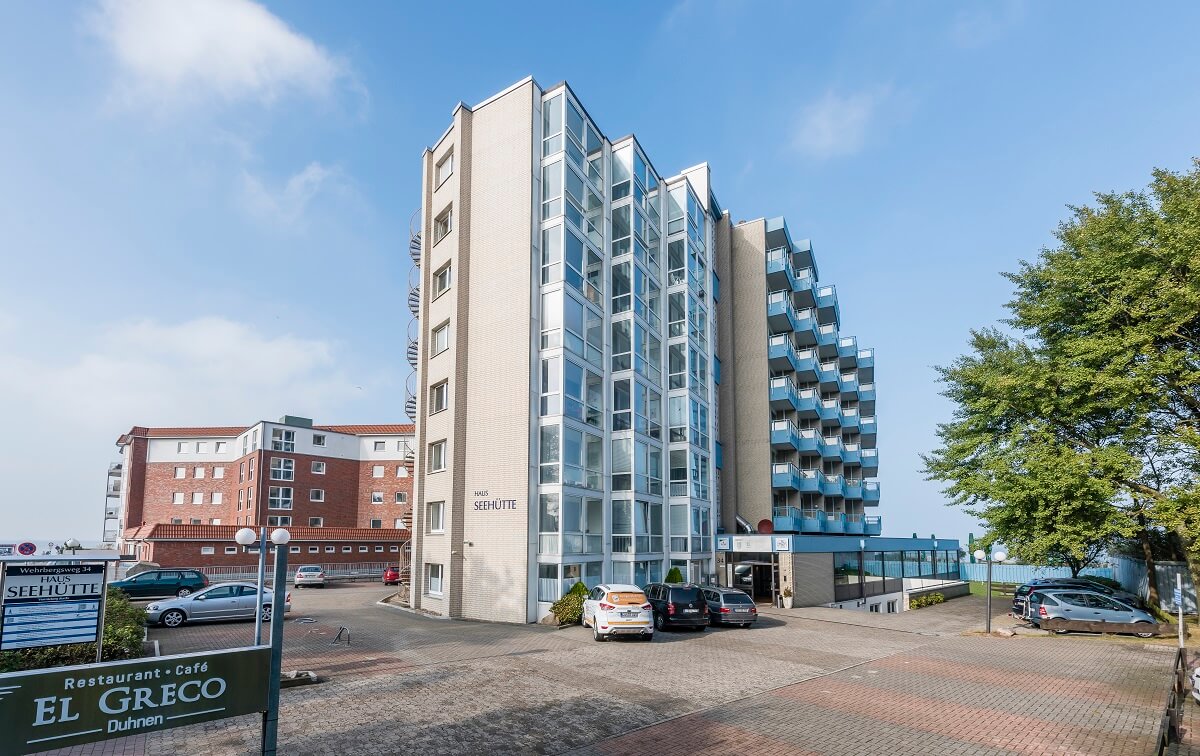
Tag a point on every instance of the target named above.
point(391, 576)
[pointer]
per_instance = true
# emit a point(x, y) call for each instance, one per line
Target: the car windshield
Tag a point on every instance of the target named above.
point(737, 598)
point(310, 569)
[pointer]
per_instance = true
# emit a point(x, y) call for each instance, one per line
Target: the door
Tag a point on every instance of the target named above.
point(589, 605)
point(1107, 610)
point(141, 586)
point(216, 603)
point(1074, 606)
point(247, 605)
point(167, 584)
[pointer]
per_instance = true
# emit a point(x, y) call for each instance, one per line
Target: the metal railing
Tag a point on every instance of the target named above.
point(333, 570)
point(1172, 716)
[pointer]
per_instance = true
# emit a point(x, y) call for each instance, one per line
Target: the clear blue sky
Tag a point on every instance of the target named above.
point(205, 205)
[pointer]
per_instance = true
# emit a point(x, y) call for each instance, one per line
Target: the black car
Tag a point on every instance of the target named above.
point(160, 583)
point(729, 606)
point(677, 605)
point(1021, 594)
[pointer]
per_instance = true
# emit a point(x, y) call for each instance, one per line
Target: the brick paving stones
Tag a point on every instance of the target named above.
point(802, 682)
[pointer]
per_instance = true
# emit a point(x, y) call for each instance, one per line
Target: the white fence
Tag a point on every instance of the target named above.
point(333, 571)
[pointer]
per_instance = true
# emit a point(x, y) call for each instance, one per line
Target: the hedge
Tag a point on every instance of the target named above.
point(568, 610)
point(123, 633)
point(929, 599)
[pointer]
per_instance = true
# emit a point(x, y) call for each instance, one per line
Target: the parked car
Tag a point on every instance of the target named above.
point(1022, 591)
point(618, 609)
point(678, 605)
point(391, 575)
point(223, 601)
point(729, 606)
point(159, 583)
point(310, 574)
point(1086, 606)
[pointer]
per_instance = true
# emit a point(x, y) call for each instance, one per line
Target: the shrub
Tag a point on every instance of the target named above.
point(579, 588)
point(674, 576)
point(929, 599)
point(568, 610)
point(787, 591)
point(123, 633)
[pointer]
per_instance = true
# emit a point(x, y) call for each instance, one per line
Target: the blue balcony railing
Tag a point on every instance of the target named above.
point(785, 476)
point(833, 485)
point(872, 526)
point(854, 524)
point(847, 347)
point(835, 523)
point(869, 459)
point(854, 488)
point(852, 454)
point(866, 392)
point(785, 434)
point(871, 492)
point(850, 417)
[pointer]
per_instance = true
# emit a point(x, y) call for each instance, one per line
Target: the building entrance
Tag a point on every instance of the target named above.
point(757, 577)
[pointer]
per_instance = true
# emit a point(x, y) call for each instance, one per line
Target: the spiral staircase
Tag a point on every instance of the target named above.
point(414, 325)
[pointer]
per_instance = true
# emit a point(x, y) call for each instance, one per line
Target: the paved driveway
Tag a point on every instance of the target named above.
point(795, 684)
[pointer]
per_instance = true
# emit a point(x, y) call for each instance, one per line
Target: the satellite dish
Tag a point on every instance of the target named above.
point(766, 526)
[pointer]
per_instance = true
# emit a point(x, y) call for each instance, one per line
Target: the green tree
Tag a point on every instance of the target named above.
point(674, 575)
point(1102, 366)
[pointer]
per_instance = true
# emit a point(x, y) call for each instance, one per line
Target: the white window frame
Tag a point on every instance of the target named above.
point(276, 500)
point(197, 497)
point(318, 468)
point(198, 473)
point(316, 494)
point(442, 280)
point(221, 446)
point(183, 447)
point(347, 549)
point(439, 391)
point(379, 446)
point(377, 471)
point(331, 549)
point(231, 550)
point(314, 549)
point(218, 473)
point(429, 578)
point(216, 497)
point(316, 522)
point(435, 335)
point(180, 473)
point(435, 517)
point(402, 497)
point(437, 449)
point(283, 468)
point(377, 497)
point(443, 224)
point(202, 447)
point(319, 439)
point(283, 440)
point(394, 549)
point(443, 170)
point(379, 549)
point(280, 521)
point(177, 497)
point(204, 550)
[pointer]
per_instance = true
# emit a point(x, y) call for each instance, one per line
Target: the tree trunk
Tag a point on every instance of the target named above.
point(1151, 570)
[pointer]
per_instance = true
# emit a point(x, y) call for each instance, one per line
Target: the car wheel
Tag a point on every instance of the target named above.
point(266, 614)
point(173, 618)
point(659, 622)
point(183, 592)
point(596, 636)
point(1144, 635)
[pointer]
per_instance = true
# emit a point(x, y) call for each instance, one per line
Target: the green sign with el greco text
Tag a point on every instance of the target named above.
point(44, 709)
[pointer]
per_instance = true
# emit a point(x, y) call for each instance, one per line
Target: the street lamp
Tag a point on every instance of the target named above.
point(997, 556)
point(72, 544)
point(245, 537)
point(280, 538)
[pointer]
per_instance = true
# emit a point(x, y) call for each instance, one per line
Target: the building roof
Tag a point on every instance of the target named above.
point(232, 431)
point(370, 430)
point(171, 532)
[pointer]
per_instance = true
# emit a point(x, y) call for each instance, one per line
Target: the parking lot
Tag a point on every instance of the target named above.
point(801, 682)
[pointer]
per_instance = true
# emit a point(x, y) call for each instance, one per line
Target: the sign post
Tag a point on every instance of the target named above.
point(51, 605)
point(1179, 604)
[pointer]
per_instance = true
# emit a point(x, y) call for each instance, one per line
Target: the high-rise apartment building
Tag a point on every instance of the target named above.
point(575, 313)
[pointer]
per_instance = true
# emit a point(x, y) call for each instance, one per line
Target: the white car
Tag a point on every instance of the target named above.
point(618, 609)
point(310, 574)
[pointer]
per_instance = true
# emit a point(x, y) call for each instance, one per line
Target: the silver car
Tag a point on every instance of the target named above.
point(1085, 606)
point(310, 574)
point(224, 601)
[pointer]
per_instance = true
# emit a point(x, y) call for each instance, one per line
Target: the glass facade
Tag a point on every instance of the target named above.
point(624, 259)
point(862, 574)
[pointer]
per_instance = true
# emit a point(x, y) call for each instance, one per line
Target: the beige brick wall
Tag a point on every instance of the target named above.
point(750, 445)
point(726, 393)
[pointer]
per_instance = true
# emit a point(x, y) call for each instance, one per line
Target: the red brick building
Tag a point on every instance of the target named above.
point(343, 491)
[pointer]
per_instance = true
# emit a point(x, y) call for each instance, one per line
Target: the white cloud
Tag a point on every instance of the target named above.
point(837, 124)
point(284, 206)
point(183, 51)
point(67, 412)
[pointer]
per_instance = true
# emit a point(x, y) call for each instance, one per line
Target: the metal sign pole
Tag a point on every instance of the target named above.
point(100, 620)
point(270, 736)
point(262, 573)
point(988, 620)
point(1179, 604)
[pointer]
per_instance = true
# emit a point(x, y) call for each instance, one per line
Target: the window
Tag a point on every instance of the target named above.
point(183, 447)
point(330, 549)
point(251, 470)
point(283, 440)
point(195, 521)
point(401, 471)
point(399, 523)
point(214, 521)
point(318, 468)
point(198, 473)
point(437, 456)
point(316, 522)
point(279, 521)
point(394, 549)
point(441, 338)
point(293, 549)
point(197, 497)
point(279, 497)
point(218, 497)
point(316, 494)
point(377, 497)
point(378, 549)
point(242, 473)
point(318, 439)
point(380, 446)
point(180, 472)
point(442, 225)
point(231, 549)
point(435, 517)
point(218, 472)
point(444, 169)
point(401, 497)
point(221, 446)
point(347, 549)
point(241, 499)
point(314, 549)
point(201, 447)
point(283, 469)
point(208, 550)
point(433, 579)
point(441, 281)
point(176, 520)
point(374, 524)
point(439, 397)
point(377, 471)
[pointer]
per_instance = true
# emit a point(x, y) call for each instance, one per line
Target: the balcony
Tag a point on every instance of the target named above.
point(835, 522)
point(827, 338)
point(848, 384)
point(784, 435)
point(781, 315)
point(783, 395)
point(830, 375)
point(847, 350)
point(866, 365)
point(808, 441)
point(806, 365)
point(827, 305)
point(806, 327)
point(831, 409)
point(866, 397)
point(804, 287)
point(872, 526)
point(833, 485)
point(854, 524)
point(854, 488)
point(871, 493)
point(851, 454)
point(810, 403)
point(780, 354)
point(850, 417)
point(870, 462)
point(867, 427)
point(780, 273)
point(785, 476)
point(832, 448)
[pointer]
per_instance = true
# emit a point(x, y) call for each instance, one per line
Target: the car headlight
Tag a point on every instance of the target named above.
point(152, 608)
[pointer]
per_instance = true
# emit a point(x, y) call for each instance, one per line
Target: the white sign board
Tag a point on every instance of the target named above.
point(50, 605)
